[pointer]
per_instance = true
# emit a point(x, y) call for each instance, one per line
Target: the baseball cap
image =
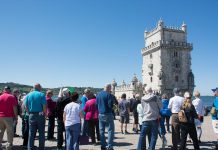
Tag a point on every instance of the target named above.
point(7, 88)
point(65, 90)
point(215, 89)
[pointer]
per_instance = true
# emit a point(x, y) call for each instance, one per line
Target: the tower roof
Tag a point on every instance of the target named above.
point(134, 79)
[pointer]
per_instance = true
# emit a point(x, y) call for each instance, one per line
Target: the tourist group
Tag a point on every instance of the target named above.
point(80, 119)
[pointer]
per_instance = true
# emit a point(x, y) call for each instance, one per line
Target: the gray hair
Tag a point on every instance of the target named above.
point(197, 94)
point(148, 90)
point(107, 87)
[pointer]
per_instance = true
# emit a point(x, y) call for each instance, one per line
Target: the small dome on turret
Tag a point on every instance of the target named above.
point(160, 23)
point(134, 79)
point(123, 83)
point(114, 83)
point(183, 24)
point(184, 27)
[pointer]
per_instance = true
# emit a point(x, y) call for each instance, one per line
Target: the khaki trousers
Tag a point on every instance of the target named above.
point(6, 123)
point(175, 130)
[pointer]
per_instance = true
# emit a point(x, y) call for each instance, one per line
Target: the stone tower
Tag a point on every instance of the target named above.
point(167, 59)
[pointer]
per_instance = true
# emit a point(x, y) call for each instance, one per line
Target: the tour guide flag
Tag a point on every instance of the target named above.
point(71, 89)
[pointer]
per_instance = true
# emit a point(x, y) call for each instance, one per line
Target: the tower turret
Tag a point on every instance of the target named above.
point(160, 23)
point(114, 84)
point(184, 27)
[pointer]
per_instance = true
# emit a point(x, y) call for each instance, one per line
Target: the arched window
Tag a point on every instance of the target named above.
point(151, 56)
point(177, 66)
point(175, 54)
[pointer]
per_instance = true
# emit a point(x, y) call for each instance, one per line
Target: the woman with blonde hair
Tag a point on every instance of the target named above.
point(189, 126)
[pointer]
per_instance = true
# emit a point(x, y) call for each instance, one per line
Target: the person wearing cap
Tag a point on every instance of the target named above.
point(63, 100)
point(215, 116)
point(189, 126)
point(175, 104)
point(151, 105)
point(84, 99)
point(8, 111)
point(50, 110)
point(35, 104)
point(105, 101)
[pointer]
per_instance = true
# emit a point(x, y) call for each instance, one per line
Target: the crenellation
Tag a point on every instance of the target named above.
point(162, 43)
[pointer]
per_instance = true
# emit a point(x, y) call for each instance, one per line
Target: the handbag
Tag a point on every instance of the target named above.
point(213, 111)
point(182, 116)
point(201, 119)
point(83, 140)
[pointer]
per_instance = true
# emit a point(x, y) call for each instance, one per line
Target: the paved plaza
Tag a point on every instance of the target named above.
point(129, 141)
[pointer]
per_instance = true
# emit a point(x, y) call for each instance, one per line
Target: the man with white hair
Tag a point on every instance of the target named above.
point(63, 100)
point(105, 102)
point(175, 104)
point(151, 107)
point(199, 107)
point(84, 99)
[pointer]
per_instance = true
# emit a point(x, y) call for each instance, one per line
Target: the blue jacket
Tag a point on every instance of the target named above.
point(165, 111)
point(105, 101)
point(215, 104)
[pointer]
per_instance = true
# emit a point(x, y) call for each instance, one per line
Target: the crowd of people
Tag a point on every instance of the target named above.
point(89, 116)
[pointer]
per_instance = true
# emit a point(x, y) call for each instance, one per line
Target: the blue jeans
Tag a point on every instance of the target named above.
point(148, 127)
point(162, 126)
point(36, 121)
point(106, 120)
point(72, 136)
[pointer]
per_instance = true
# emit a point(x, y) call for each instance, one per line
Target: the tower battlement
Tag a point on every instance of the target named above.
point(167, 44)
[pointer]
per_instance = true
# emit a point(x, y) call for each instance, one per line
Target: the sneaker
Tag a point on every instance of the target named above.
point(94, 144)
point(51, 139)
point(164, 141)
point(16, 135)
point(122, 131)
point(126, 132)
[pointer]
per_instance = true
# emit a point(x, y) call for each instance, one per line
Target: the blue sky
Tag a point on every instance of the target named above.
point(90, 42)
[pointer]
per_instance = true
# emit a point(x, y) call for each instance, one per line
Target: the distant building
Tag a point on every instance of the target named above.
point(166, 60)
point(135, 87)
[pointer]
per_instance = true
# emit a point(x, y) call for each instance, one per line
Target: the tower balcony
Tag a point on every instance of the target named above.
point(168, 45)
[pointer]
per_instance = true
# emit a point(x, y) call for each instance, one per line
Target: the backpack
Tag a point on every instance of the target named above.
point(182, 116)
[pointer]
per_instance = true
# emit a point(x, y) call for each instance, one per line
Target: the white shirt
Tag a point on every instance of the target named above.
point(140, 113)
point(72, 111)
point(175, 103)
point(199, 107)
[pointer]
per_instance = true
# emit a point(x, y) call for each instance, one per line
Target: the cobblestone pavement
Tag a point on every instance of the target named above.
point(129, 141)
